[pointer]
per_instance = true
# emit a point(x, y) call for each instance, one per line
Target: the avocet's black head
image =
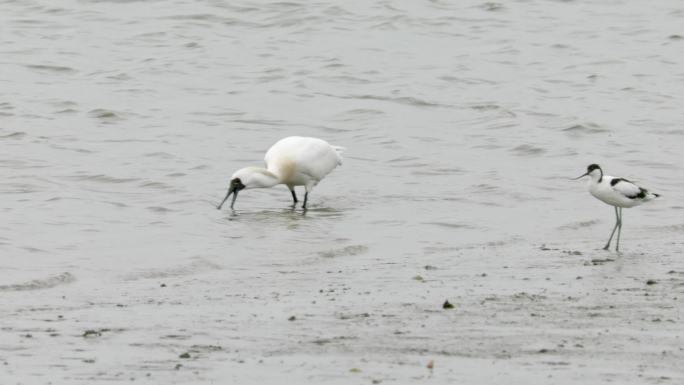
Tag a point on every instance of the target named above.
point(234, 187)
point(590, 169)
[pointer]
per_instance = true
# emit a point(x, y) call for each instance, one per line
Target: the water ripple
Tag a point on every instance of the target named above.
point(50, 68)
point(528, 150)
point(587, 128)
point(102, 178)
point(39, 284)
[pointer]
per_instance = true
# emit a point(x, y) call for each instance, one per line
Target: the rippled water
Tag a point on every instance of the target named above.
point(121, 122)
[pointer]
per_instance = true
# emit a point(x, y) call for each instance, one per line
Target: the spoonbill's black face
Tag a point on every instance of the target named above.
point(234, 187)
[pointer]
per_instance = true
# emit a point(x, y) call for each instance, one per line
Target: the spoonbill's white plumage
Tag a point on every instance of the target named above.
point(292, 161)
point(617, 192)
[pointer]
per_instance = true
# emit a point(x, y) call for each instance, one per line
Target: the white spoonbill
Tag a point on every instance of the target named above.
point(292, 161)
point(617, 192)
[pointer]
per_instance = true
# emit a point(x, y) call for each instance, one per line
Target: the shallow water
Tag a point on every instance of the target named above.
point(121, 123)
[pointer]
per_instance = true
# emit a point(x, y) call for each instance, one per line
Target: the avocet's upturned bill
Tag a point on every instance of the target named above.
point(292, 161)
point(617, 192)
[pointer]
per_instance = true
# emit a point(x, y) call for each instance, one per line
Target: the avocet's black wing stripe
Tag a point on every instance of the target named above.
point(628, 189)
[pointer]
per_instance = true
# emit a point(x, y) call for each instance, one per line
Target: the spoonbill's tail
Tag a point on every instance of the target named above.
point(339, 150)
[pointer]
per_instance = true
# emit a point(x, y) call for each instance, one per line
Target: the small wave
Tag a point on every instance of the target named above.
point(129, 140)
point(197, 16)
point(271, 79)
point(39, 284)
point(676, 131)
point(670, 228)
point(404, 158)
point(50, 68)
point(80, 150)
point(485, 107)
point(262, 122)
point(450, 225)
point(159, 209)
point(426, 139)
point(528, 150)
point(333, 129)
point(438, 171)
point(578, 225)
point(405, 100)
point(155, 185)
point(334, 65)
point(18, 188)
point(117, 1)
point(348, 79)
point(67, 111)
point(120, 76)
point(34, 249)
point(655, 165)
point(589, 128)
point(285, 4)
point(117, 204)
point(492, 7)
point(344, 252)
point(364, 112)
point(101, 178)
point(64, 104)
point(101, 113)
point(485, 188)
point(469, 81)
point(201, 167)
point(159, 154)
point(193, 268)
point(14, 135)
point(56, 11)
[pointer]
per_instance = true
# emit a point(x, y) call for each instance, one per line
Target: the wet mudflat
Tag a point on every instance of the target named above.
point(542, 315)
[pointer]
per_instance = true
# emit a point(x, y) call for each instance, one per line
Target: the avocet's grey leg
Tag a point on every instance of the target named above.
point(294, 196)
point(617, 222)
point(617, 247)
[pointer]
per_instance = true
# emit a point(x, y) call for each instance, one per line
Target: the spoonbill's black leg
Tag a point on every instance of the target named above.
point(306, 198)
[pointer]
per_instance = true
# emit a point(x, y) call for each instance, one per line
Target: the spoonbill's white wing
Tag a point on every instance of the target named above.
point(310, 156)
